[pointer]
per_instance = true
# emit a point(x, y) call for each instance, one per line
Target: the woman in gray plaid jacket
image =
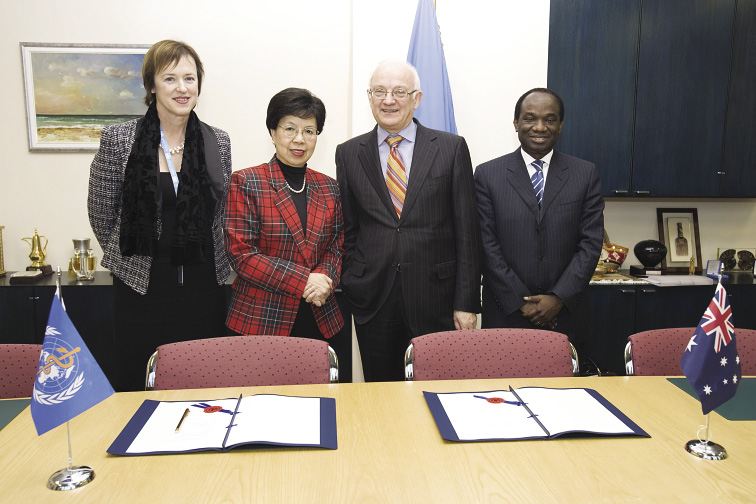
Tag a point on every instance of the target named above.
point(157, 190)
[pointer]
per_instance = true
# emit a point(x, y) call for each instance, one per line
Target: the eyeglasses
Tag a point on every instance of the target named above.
point(398, 94)
point(308, 134)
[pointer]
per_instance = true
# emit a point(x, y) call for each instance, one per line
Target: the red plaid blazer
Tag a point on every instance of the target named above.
point(271, 254)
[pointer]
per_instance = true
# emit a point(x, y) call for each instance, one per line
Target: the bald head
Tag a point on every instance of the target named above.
point(393, 113)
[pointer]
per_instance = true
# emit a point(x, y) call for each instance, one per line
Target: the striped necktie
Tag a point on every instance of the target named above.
point(396, 175)
point(537, 180)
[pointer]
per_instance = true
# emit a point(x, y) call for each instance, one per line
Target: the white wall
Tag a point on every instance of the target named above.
point(251, 49)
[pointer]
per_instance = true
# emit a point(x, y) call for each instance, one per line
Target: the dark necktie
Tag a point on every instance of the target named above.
point(537, 180)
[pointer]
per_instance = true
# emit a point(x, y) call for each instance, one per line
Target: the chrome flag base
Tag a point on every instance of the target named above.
point(70, 478)
point(706, 450)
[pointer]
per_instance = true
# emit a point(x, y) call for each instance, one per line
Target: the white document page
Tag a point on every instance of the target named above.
point(199, 430)
point(571, 410)
point(277, 419)
point(476, 418)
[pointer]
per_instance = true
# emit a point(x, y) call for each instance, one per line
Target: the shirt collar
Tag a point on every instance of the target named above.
point(408, 133)
point(529, 159)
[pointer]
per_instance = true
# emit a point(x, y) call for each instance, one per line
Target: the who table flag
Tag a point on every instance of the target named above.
point(68, 380)
point(426, 54)
point(711, 362)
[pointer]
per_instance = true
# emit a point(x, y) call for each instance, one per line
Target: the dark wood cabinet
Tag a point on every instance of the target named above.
point(593, 53)
point(683, 67)
point(738, 172)
point(617, 311)
point(16, 314)
point(658, 93)
point(24, 310)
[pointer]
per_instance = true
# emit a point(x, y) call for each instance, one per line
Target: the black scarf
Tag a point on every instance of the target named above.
point(195, 201)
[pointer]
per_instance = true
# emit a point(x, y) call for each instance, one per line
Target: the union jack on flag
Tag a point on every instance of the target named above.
point(711, 362)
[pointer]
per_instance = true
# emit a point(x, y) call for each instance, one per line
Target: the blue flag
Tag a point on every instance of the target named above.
point(711, 362)
point(68, 380)
point(426, 54)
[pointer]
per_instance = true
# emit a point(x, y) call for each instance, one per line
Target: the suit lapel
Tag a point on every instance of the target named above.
point(555, 180)
point(423, 157)
point(316, 212)
point(520, 181)
point(371, 163)
point(285, 205)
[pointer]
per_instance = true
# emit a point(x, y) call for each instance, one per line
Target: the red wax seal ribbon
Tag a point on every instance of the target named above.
point(207, 408)
point(498, 400)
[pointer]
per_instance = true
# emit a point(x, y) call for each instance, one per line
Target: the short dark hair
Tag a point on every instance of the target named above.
point(162, 55)
point(297, 102)
point(518, 106)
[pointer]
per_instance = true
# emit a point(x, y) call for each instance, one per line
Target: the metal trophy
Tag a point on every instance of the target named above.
point(37, 254)
point(83, 262)
point(2, 261)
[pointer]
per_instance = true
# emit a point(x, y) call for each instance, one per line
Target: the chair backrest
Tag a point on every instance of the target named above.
point(240, 361)
point(657, 352)
point(18, 368)
point(490, 353)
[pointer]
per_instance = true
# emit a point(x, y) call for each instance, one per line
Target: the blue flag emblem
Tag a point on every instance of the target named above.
point(68, 380)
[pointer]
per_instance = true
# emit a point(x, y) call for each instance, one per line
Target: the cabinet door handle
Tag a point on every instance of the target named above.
point(648, 291)
point(721, 173)
point(642, 193)
point(620, 192)
point(627, 291)
point(34, 298)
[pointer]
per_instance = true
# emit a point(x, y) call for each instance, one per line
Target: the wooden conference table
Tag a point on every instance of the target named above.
point(390, 452)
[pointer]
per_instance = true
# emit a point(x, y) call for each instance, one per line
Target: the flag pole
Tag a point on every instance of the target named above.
point(707, 449)
point(72, 477)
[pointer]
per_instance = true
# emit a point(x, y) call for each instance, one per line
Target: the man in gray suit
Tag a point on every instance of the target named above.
point(542, 222)
point(411, 234)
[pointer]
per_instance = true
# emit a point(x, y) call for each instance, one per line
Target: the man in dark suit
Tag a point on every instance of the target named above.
point(538, 257)
point(411, 233)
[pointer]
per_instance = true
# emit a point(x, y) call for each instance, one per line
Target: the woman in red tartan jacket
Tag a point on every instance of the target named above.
point(284, 231)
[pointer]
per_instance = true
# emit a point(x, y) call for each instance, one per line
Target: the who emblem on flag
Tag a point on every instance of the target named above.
point(68, 380)
point(711, 362)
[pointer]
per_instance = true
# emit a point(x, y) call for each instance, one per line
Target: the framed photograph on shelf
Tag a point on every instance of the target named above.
point(74, 90)
point(678, 230)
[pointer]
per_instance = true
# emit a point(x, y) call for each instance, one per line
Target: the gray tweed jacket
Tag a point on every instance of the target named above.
point(104, 202)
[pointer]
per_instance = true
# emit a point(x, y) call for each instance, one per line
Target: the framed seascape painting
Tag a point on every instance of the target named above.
point(74, 90)
point(678, 230)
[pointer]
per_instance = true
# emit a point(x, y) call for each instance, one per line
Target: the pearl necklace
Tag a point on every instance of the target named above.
point(304, 184)
point(178, 149)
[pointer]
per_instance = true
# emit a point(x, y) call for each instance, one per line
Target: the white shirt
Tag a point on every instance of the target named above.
point(529, 163)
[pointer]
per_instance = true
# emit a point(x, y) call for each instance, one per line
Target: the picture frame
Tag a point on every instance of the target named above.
point(72, 91)
point(678, 231)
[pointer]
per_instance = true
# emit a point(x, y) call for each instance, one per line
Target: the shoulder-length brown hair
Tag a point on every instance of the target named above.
point(162, 55)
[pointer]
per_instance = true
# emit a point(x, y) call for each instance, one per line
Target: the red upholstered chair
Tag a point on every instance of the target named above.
point(657, 352)
point(18, 367)
point(490, 353)
point(240, 361)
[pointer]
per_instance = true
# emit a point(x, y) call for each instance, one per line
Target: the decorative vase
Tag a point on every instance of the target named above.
point(650, 252)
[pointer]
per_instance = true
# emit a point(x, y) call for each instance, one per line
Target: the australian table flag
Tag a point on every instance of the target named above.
point(711, 361)
point(68, 380)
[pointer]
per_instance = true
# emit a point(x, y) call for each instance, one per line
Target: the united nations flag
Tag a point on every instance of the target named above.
point(68, 380)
